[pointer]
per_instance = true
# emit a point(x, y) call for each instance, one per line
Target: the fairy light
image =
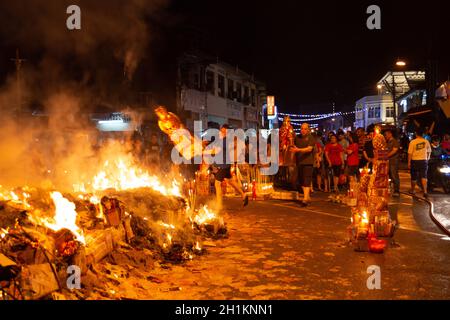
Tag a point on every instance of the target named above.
point(320, 116)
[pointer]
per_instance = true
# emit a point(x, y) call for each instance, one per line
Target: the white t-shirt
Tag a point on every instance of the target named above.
point(419, 148)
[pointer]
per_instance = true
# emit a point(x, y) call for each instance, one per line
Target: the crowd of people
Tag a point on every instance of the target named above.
point(330, 162)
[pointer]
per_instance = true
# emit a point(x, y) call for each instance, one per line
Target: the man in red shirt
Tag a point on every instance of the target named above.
point(334, 154)
point(353, 157)
point(445, 144)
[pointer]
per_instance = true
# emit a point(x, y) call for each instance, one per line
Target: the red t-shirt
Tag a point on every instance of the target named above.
point(445, 145)
point(334, 153)
point(353, 159)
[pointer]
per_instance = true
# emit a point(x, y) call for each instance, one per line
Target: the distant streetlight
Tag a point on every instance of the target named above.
point(379, 87)
point(398, 63)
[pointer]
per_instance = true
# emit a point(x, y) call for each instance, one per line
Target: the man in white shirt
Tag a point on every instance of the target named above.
point(419, 152)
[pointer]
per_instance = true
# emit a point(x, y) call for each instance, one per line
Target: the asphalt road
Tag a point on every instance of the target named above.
point(278, 250)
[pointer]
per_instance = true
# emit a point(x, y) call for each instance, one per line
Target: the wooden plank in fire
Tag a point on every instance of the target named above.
point(38, 281)
point(100, 243)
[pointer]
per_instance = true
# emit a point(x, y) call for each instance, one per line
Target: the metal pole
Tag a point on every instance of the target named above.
point(393, 99)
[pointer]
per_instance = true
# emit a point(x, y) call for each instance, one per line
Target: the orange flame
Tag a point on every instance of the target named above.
point(123, 175)
point(19, 197)
point(165, 225)
point(65, 217)
point(3, 233)
point(364, 219)
point(204, 215)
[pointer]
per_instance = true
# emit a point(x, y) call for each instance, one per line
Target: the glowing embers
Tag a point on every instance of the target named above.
point(208, 222)
point(19, 197)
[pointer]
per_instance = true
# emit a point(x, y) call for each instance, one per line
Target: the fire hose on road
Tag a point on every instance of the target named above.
point(431, 212)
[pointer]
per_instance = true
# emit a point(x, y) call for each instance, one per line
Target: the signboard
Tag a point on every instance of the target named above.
point(270, 106)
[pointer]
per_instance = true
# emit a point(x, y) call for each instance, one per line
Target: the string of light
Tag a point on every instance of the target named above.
point(324, 115)
point(315, 117)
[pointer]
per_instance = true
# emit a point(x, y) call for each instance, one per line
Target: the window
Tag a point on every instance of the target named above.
point(230, 89)
point(239, 92)
point(221, 86)
point(359, 112)
point(374, 112)
point(390, 112)
point(210, 83)
point(253, 97)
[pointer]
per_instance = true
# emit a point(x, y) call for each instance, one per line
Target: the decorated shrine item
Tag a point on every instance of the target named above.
point(113, 210)
point(379, 142)
point(364, 172)
point(364, 184)
point(170, 124)
point(287, 136)
point(202, 183)
point(376, 245)
point(370, 218)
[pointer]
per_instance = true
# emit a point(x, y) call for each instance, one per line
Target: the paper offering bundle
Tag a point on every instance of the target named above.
point(370, 218)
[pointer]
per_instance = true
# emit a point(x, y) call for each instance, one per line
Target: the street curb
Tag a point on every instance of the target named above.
point(431, 212)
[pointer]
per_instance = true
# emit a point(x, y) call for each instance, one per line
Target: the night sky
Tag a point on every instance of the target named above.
point(310, 54)
point(314, 53)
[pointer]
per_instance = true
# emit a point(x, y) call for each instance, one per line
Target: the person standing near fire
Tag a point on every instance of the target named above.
point(368, 151)
point(334, 153)
point(393, 148)
point(305, 150)
point(361, 133)
point(352, 157)
point(222, 172)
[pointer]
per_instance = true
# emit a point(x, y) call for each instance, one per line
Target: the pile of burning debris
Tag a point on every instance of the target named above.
point(128, 215)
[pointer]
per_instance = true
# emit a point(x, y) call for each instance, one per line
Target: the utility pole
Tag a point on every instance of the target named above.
point(393, 99)
point(18, 62)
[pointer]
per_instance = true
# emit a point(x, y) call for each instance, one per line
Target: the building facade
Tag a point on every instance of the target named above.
point(214, 92)
point(374, 109)
point(405, 87)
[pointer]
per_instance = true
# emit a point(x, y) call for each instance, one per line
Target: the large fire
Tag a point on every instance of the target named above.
point(106, 216)
point(122, 174)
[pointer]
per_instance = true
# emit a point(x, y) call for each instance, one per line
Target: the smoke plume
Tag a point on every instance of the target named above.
point(66, 74)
